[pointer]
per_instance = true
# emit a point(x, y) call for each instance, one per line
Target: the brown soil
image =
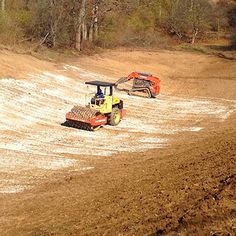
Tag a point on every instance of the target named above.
point(180, 72)
point(17, 66)
point(188, 188)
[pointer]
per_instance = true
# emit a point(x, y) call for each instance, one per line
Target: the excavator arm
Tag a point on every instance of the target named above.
point(133, 75)
point(121, 81)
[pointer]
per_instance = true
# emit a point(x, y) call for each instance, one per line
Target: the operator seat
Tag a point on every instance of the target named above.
point(97, 101)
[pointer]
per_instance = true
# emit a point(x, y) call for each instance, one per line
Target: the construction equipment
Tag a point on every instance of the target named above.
point(103, 109)
point(143, 84)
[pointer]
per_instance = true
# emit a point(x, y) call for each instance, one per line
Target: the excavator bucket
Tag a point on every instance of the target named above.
point(121, 85)
point(121, 81)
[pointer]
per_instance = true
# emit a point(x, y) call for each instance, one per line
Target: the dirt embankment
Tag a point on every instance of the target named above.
point(182, 73)
point(17, 66)
point(185, 185)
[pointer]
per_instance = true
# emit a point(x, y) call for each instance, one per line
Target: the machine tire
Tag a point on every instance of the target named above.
point(115, 116)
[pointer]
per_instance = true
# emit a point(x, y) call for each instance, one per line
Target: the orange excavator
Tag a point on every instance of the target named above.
point(143, 84)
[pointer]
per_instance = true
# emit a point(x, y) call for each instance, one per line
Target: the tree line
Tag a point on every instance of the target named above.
point(107, 23)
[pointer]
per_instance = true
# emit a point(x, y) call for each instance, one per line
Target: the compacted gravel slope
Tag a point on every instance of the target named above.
point(168, 167)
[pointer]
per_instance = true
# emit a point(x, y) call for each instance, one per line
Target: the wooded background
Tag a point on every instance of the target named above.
point(108, 23)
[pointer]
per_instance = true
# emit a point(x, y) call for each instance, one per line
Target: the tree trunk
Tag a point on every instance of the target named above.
point(91, 32)
point(53, 37)
point(96, 19)
point(85, 31)
point(192, 5)
point(3, 5)
point(93, 29)
point(96, 27)
point(195, 33)
point(160, 13)
point(218, 28)
point(78, 39)
point(52, 24)
point(80, 28)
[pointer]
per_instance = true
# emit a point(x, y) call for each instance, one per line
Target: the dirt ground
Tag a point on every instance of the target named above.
point(169, 168)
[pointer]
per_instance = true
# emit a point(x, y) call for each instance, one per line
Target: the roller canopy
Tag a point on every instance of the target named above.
point(100, 83)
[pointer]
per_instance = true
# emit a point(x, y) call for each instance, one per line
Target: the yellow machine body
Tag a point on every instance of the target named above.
point(104, 105)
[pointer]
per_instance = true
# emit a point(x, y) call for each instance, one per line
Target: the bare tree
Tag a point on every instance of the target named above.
point(3, 5)
point(200, 11)
point(80, 31)
point(93, 30)
point(193, 13)
point(55, 18)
